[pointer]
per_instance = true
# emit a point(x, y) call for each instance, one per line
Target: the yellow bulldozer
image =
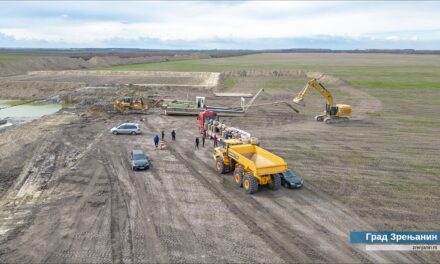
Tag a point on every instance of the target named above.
point(333, 113)
point(129, 104)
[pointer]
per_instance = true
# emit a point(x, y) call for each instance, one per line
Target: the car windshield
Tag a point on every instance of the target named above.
point(138, 156)
point(289, 174)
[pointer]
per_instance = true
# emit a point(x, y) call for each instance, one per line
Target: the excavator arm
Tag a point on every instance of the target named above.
point(318, 87)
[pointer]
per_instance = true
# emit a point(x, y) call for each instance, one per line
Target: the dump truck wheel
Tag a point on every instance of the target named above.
point(220, 166)
point(250, 184)
point(238, 177)
point(276, 182)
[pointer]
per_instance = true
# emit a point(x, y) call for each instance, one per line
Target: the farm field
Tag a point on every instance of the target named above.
point(68, 194)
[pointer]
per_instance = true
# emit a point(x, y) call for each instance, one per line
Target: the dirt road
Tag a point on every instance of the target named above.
point(91, 207)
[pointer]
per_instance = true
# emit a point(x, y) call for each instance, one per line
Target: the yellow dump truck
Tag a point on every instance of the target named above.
point(252, 165)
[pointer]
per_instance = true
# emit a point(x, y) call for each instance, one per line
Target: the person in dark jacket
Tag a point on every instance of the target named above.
point(215, 141)
point(163, 134)
point(156, 140)
point(197, 143)
point(173, 134)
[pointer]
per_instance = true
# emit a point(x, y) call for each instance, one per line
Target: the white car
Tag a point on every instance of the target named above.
point(127, 128)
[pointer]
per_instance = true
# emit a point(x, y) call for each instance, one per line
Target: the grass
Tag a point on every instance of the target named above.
point(368, 71)
point(398, 84)
point(284, 84)
point(67, 105)
point(229, 83)
point(13, 102)
point(9, 58)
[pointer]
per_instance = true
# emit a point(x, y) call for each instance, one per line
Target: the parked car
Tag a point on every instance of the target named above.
point(291, 180)
point(139, 161)
point(127, 128)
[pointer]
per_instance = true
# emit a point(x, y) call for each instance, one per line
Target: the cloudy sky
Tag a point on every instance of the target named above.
point(220, 25)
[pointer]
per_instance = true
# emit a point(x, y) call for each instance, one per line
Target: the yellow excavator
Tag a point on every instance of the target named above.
point(333, 113)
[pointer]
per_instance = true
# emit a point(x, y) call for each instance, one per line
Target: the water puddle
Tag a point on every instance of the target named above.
point(15, 112)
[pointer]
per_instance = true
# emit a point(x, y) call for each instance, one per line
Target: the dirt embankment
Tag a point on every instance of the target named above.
point(35, 90)
point(21, 66)
point(44, 84)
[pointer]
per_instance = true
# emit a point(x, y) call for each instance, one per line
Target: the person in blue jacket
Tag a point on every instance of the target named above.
point(156, 140)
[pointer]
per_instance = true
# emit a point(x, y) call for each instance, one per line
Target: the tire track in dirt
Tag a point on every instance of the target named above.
point(248, 223)
point(72, 223)
point(129, 200)
point(254, 213)
point(272, 242)
point(115, 232)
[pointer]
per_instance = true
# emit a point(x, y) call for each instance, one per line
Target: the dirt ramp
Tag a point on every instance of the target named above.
point(145, 78)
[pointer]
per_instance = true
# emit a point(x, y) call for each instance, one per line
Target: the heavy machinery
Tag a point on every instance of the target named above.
point(130, 104)
point(208, 123)
point(252, 165)
point(333, 113)
point(184, 107)
point(204, 118)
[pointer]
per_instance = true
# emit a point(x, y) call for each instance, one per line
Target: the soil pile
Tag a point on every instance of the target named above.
point(21, 66)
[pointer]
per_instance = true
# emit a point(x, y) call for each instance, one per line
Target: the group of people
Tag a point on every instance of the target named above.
point(156, 137)
point(197, 141)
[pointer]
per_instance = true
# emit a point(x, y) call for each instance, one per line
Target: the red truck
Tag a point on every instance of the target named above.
point(204, 118)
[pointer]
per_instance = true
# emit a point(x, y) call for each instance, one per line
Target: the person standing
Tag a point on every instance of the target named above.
point(197, 143)
point(173, 135)
point(215, 141)
point(203, 141)
point(156, 140)
point(163, 134)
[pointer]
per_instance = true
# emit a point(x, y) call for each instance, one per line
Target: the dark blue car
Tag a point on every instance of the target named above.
point(291, 180)
point(138, 160)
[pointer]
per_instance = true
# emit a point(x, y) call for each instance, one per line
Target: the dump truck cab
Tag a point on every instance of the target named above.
point(205, 117)
point(251, 165)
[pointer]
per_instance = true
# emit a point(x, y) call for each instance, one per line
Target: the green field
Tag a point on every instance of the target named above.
point(363, 70)
point(8, 58)
point(229, 83)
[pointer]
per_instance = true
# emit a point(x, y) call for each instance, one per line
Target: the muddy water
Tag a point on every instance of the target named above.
point(24, 112)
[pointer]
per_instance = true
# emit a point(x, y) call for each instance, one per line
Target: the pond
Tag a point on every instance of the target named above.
point(19, 111)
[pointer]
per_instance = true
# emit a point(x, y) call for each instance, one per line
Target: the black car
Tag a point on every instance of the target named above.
point(138, 160)
point(291, 180)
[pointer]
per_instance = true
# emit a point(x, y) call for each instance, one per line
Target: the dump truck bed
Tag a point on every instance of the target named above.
point(256, 159)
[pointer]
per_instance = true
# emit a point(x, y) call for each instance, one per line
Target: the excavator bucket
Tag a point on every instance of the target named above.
point(299, 101)
point(299, 98)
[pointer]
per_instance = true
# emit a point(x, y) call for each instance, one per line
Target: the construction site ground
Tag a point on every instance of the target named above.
point(69, 194)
